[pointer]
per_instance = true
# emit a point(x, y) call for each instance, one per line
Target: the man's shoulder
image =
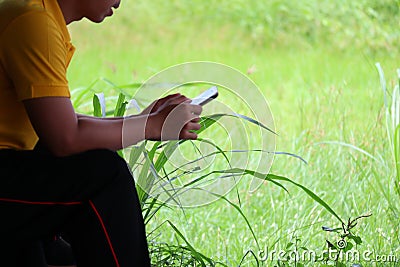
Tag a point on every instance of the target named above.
point(18, 7)
point(12, 9)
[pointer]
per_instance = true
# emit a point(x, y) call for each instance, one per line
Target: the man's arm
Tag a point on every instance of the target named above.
point(83, 116)
point(63, 132)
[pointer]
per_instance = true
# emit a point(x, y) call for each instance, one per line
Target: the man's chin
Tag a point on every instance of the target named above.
point(97, 20)
point(101, 18)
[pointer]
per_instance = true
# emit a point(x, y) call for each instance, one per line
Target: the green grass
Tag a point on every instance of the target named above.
point(322, 85)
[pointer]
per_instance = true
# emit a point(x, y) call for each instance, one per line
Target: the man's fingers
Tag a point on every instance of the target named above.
point(167, 98)
point(196, 109)
point(188, 135)
point(171, 96)
point(192, 126)
point(178, 100)
point(196, 120)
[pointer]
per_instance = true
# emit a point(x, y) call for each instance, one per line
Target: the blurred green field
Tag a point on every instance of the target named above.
point(315, 63)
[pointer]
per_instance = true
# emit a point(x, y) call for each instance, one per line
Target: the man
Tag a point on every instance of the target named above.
point(73, 182)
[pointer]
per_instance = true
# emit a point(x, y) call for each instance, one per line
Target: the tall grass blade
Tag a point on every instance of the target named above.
point(396, 107)
point(272, 177)
point(219, 151)
point(142, 182)
point(396, 134)
point(350, 146)
point(305, 189)
point(397, 157)
point(390, 127)
point(153, 177)
point(249, 252)
point(198, 256)
point(207, 121)
point(392, 123)
point(224, 152)
point(384, 188)
point(253, 121)
point(234, 172)
point(238, 209)
point(308, 192)
point(136, 151)
point(152, 208)
point(383, 82)
point(83, 93)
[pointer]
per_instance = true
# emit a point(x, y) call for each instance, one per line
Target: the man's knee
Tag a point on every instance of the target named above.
point(98, 168)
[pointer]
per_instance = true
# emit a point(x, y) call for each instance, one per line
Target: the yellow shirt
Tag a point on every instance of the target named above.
point(35, 50)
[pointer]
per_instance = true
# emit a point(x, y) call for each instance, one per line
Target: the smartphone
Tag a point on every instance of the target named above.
point(205, 97)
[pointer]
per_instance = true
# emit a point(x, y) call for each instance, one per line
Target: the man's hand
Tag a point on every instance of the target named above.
point(172, 118)
point(157, 104)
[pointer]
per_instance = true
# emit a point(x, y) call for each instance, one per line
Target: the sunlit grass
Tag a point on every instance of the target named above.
point(317, 92)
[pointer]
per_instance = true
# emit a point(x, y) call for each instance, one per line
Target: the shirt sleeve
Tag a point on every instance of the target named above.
point(35, 56)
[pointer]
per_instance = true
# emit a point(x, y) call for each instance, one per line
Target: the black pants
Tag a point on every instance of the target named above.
point(89, 197)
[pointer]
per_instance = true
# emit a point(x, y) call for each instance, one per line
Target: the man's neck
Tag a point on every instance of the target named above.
point(70, 10)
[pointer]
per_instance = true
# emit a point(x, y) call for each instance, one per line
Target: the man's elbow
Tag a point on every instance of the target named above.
point(62, 146)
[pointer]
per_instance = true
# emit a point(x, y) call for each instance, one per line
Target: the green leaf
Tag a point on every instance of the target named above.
point(289, 245)
point(356, 239)
point(328, 229)
point(348, 247)
point(207, 121)
point(96, 106)
point(120, 153)
point(272, 177)
point(331, 245)
point(340, 264)
point(165, 154)
point(120, 106)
